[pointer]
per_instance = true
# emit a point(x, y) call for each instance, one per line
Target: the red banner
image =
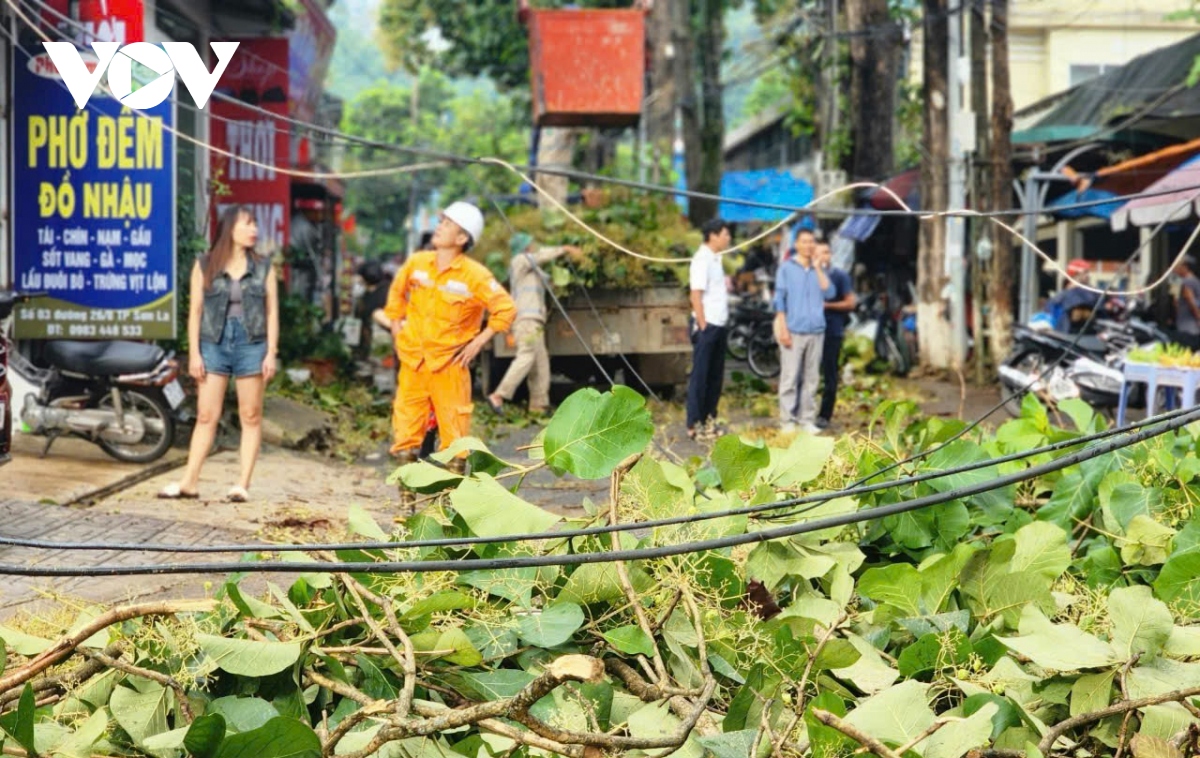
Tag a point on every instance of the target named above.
point(258, 75)
point(120, 21)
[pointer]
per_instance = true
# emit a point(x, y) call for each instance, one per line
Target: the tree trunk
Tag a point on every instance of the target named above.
point(687, 102)
point(659, 110)
point(933, 324)
point(982, 192)
point(873, 61)
point(710, 43)
point(556, 150)
point(1000, 300)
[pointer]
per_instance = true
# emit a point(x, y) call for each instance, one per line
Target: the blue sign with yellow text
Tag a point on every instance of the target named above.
point(94, 211)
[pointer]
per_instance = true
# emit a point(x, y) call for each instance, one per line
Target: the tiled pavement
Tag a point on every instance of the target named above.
point(62, 524)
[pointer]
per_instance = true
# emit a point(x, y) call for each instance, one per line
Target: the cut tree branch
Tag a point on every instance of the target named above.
point(854, 733)
point(67, 645)
point(1116, 709)
point(67, 679)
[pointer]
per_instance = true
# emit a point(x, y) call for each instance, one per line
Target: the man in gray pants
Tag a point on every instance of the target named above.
point(801, 289)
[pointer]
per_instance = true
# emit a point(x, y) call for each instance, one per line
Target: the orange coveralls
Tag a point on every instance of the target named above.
point(442, 311)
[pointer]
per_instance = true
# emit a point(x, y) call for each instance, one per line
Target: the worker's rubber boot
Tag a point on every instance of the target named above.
point(408, 498)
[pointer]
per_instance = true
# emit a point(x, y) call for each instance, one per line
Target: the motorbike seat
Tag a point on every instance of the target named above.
point(1090, 343)
point(109, 358)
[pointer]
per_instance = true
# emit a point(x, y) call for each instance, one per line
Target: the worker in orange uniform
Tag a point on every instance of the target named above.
point(436, 305)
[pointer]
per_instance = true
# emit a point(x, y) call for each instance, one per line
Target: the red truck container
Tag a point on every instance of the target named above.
point(587, 67)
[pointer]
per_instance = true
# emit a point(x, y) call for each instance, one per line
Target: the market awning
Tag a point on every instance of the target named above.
point(1175, 197)
point(776, 186)
point(1152, 86)
point(859, 227)
point(1115, 182)
point(906, 185)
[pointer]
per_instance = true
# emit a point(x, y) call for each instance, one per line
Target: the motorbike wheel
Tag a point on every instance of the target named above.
point(896, 355)
point(739, 342)
point(763, 355)
point(1023, 359)
point(159, 422)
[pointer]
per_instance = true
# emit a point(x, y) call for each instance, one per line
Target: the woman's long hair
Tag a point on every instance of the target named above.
point(222, 249)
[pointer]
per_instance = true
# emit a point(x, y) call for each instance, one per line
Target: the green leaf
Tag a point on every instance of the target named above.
point(514, 585)
point(86, 735)
point(1179, 580)
point(464, 653)
point(1140, 623)
point(141, 714)
point(1145, 746)
point(1091, 692)
point(361, 523)
point(995, 505)
point(440, 602)
point(800, 463)
point(243, 714)
point(249, 657)
point(498, 684)
point(552, 627)
point(1058, 647)
point(656, 721)
point(278, 738)
point(19, 723)
point(897, 584)
point(827, 742)
point(730, 744)
point(1129, 500)
point(934, 652)
point(24, 644)
point(490, 510)
point(630, 640)
point(250, 606)
point(424, 477)
point(738, 463)
point(1184, 642)
point(895, 715)
point(599, 583)
point(205, 735)
point(1082, 415)
point(1041, 549)
point(958, 738)
point(592, 432)
point(1146, 542)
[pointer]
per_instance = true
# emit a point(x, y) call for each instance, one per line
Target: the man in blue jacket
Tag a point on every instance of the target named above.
point(801, 289)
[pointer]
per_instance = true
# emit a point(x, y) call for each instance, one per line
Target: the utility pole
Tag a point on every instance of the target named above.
point(982, 191)
point(961, 139)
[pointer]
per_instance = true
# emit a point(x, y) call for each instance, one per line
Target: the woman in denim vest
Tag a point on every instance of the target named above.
point(233, 331)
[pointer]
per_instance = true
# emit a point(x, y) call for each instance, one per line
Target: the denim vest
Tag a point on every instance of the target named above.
point(254, 302)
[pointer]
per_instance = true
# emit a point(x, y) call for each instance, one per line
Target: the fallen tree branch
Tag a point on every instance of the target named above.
point(66, 679)
point(802, 687)
point(154, 676)
point(407, 660)
point(67, 645)
point(870, 743)
point(614, 492)
point(1116, 709)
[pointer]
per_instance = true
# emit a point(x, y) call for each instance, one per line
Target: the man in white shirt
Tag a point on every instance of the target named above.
point(710, 309)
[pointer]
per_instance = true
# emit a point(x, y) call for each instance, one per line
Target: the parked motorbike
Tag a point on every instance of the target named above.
point(1087, 366)
point(752, 338)
point(885, 328)
point(120, 395)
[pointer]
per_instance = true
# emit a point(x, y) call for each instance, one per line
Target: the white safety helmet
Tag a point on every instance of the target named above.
point(468, 217)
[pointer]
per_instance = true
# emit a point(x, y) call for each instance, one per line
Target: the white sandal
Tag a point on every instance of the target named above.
point(238, 495)
point(174, 492)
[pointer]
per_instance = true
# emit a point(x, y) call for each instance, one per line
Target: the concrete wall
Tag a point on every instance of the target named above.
point(1047, 37)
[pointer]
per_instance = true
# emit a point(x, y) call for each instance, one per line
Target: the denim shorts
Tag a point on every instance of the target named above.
point(234, 355)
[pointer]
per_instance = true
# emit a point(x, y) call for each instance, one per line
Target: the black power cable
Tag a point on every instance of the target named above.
point(150, 547)
point(637, 554)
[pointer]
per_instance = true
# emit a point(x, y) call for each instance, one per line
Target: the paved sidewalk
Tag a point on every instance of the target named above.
point(55, 523)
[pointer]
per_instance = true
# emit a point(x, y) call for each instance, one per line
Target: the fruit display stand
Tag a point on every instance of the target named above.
point(1154, 376)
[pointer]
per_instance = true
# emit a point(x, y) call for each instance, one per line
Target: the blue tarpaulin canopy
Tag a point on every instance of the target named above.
point(776, 186)
point(1089, 195)
point(859, 228)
